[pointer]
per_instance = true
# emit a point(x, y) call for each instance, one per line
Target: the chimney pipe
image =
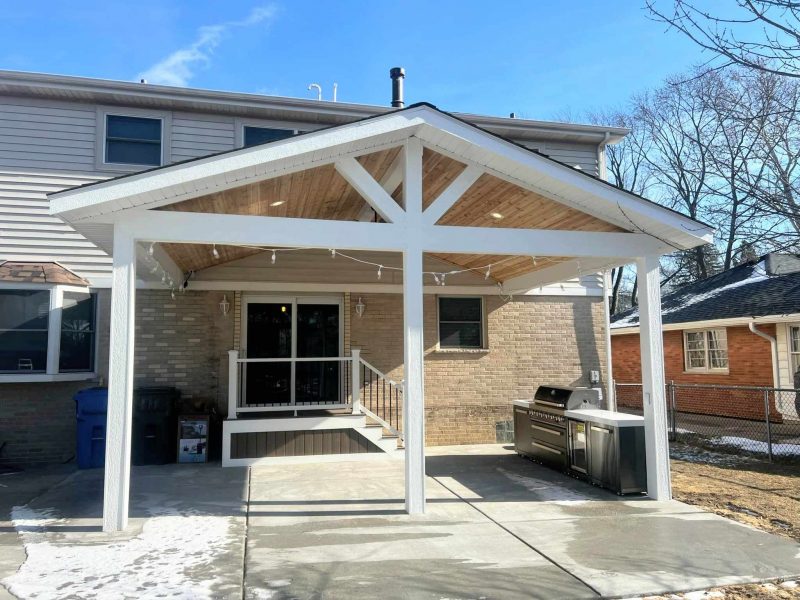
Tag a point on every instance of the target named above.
point(397, 74)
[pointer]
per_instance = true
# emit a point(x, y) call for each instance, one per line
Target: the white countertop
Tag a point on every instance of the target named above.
point(522, 403)
point(605, 417)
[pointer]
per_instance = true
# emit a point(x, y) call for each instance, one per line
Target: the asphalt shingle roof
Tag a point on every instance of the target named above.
point(747, 290)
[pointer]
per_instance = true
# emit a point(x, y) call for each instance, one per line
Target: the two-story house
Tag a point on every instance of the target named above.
point(272, 331)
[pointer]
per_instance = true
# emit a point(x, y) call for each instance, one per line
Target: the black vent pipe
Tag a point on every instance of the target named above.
point(398, 74)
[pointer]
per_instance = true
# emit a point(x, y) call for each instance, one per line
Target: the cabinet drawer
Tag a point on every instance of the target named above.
point(549, 455)
point(552, 436)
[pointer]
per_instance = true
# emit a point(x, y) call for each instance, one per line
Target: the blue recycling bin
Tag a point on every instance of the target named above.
point(91, 406)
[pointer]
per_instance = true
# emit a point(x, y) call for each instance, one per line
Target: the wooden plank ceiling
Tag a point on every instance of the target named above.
point(321, 193)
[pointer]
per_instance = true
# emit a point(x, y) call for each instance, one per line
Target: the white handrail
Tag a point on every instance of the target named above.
point(392, 384)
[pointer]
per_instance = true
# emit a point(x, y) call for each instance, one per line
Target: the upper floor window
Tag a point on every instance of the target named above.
point(460, 322)
point(253, 136)
point(706, 350)
point(133, 140)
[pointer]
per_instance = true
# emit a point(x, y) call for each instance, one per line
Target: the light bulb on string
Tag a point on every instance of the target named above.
point(435, 278)
point(215, 252)
point(172, 293)
point(155, 268)
point(380, 268)
point(151, 249)
point(443, 276)
point(333, 252)
point(488, 272)
point(274, 256)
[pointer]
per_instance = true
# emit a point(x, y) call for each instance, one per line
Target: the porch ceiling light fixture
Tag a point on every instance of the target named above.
point(224, 305)
point(496, 215)
point(277, 202)
point(360, 307)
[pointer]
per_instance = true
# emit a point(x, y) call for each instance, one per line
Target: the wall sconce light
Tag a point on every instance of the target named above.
point(224, 305)
point(360, 307)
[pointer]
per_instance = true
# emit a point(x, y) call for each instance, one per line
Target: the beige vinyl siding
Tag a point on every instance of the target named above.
point(37, 134)
point(200, 135)
point(29, 233)
point(572, 154)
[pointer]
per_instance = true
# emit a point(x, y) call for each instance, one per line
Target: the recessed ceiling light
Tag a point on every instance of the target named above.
point(277, 202)
point(496, 215)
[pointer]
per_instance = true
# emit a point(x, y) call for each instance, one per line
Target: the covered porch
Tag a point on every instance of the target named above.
point(422, 203)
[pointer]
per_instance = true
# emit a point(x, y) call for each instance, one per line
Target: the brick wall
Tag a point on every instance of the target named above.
point(181, 342)
point(749, 364)
point(531, 341)
point(184, 343)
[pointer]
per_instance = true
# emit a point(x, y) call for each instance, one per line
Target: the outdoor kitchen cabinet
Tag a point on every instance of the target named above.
point(522, 427)
point(615, 450)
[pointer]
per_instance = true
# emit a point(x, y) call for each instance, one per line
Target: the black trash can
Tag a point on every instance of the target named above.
point(91, 407)
point(154, 425)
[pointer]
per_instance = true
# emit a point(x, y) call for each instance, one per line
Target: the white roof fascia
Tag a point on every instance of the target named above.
point(731, 322)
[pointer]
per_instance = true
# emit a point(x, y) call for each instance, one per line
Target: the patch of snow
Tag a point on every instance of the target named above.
point(153, 564)
point(789, 585)
point(546, 490)
point(756, 446)
point(702, 456)
point(703, 595)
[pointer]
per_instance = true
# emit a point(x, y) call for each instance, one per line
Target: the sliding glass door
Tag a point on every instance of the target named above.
point(288, 333)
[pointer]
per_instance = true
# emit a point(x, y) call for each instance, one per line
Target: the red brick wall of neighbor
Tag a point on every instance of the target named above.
point(749, 361)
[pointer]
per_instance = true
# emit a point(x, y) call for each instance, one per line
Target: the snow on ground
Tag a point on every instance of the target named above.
point(756, 446)
point(694, 454)
point(547, 491)
point(152, 564)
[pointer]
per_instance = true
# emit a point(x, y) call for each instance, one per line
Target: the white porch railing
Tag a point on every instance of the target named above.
point(349, 382)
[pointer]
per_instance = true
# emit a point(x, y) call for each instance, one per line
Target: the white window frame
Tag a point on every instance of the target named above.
point(484, 347)
point(54, 336)
point(707, 368)
point(792, 352)
point(100, 147)
point(294, 126)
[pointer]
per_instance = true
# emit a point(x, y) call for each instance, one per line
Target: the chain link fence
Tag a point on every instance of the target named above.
point(757, 421)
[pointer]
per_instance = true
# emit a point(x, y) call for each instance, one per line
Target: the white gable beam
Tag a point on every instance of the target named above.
point(389, 182)
point(537, 242)
point(211, 228)
point(370, 190)
point(145, 263)
point(559, 273)
point(452, 194)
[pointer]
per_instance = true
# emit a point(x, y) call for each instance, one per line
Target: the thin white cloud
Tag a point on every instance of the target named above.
point(180, 66)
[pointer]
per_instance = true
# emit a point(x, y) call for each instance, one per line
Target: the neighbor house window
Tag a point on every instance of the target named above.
point(133, 140)
point(794, 348)
point(253, 136)
point(24, 318)
point(460, 323)
point(706, 350)
point(47, 332)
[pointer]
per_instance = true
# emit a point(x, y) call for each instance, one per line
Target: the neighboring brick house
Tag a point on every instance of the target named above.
point(61, 132)
point(738, 328)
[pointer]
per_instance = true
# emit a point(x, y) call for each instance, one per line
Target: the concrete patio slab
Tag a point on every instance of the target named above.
point(497, 526)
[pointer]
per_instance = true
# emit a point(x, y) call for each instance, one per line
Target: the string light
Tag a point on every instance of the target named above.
point(333, 252)
point(151, 249)
point(155, 268)
point(274, 256)
point(435, 278)
point(443, 276)
point(380, 268)
point(488, 272)
point(164, 277)
point(172, 292)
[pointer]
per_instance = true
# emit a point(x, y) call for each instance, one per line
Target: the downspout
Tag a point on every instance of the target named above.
point(601, 156)
point(610, 391)
point(776, 372)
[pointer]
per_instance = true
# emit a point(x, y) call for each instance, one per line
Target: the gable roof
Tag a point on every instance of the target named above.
point(753, 289)
point(168, 184)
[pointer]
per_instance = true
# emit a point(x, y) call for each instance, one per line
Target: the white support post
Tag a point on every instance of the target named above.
point(653, 381)
point(355, 371)
point(611, 392)
point(414, 392)
point(120, 383)
point(233, 383)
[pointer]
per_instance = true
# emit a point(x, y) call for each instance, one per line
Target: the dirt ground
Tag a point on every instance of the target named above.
point(754, 492)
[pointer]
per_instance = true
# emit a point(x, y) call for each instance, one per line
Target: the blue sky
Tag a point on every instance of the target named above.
point(538, 59)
